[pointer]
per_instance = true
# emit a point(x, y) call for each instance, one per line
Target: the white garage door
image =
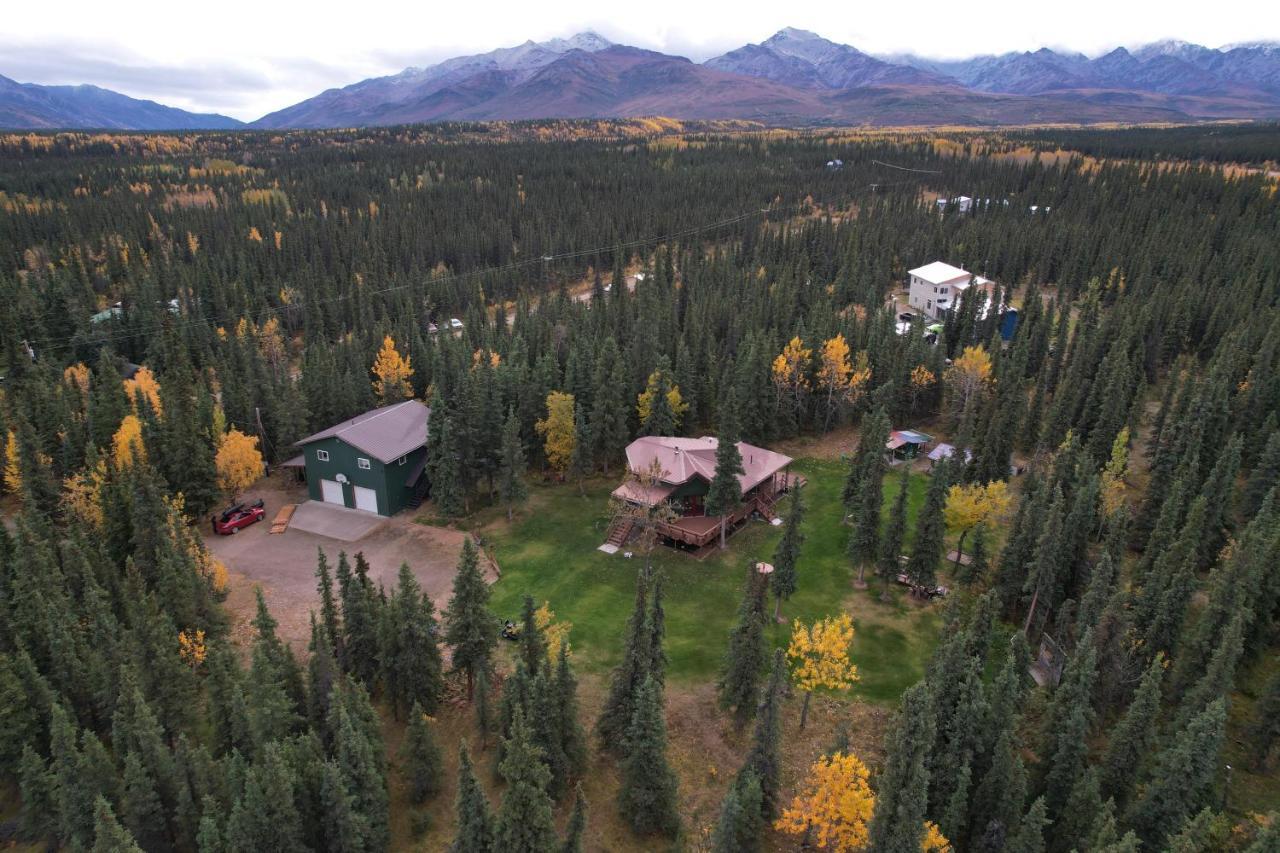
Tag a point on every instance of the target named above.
point(366, 499)
point(331, 491)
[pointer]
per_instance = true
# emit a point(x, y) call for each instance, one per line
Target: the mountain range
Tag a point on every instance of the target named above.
point(31, 106)
point(795, 76)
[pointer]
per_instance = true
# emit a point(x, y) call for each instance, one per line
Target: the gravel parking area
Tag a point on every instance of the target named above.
point(284, 564)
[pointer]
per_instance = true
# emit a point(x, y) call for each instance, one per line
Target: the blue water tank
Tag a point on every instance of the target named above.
point(1009, 323)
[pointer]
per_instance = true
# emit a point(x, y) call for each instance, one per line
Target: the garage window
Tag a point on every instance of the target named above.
point(322, 455)
point(362, 463)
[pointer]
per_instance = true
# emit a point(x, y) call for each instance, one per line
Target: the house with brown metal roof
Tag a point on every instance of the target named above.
point(687, 467)
point(374, 462)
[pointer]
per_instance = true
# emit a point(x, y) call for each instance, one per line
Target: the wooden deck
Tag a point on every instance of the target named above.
point(699, 534)
point(698, 531)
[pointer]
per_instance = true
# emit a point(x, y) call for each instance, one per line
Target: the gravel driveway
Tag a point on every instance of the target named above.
point(284, 564)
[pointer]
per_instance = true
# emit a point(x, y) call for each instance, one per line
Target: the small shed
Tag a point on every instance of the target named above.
point(906, 443)
point(946, 451)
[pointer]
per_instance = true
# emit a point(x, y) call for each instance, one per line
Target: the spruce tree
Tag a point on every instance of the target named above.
point(1219, 675)
point(607, 423)
point(512, 488)
point(74, 799)
point(1263, 477)
point(411, 666)
point(484, 708)
point(1083, 811)
point(1133, 737)
point(866, 503)
point(359, 620)
point(1264, 732)
point(619, 705)
point(544, 722)
point(764, 758)
point(931, 531)
point(1030, 835)
point(740, 677)
point(524, 822)
point(1182, 778)
point(273, 707)
point(342, 826)
point(420, 757)
point(108, 835)
point(739, 827)
point(322, 675)
point(647, 798)
point(999, 796)
point(38, 791)
point(580, 460)
point(264, 816)
point(1067, 726)
point(533, 648)
point(786, 556)
point(447, 490)
point(888, 563)
point(577, 823)
point(656, 628)
point(569, 735)
point(209, 834)
point(470, 627)
point(725, 491)
point(1194, 836)
point(979, 558)
point(661, 418)
point(897, 825)
point(359, 754)
point(475, 833)
point(517, 697)
point(140, 807)
point(328, 605)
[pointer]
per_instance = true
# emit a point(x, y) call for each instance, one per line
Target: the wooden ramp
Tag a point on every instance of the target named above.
point(281, 523)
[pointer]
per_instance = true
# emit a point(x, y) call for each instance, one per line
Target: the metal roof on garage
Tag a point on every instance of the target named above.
point(386, 433)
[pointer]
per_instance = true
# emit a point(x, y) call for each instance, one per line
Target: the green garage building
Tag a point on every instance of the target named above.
point(373, 462)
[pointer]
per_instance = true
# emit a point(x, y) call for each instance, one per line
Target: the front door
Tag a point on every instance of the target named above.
point(366, 499)
point(331, 491)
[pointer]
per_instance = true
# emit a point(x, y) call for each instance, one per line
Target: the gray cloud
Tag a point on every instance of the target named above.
point(207, 86)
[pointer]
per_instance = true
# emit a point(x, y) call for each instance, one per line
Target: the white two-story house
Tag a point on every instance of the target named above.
point(935, 288)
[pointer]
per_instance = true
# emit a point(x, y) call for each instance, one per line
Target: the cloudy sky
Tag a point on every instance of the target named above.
point(248, 57)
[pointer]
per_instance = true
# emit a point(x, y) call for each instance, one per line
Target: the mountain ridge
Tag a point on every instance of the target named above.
point(794, 75)
point(801, 76)
point(32, 106)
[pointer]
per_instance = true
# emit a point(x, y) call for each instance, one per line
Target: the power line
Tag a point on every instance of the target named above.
point(905, 169)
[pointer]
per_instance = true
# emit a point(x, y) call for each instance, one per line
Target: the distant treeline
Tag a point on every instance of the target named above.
point(1249, 144)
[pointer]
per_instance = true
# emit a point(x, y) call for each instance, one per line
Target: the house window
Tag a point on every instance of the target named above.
point(403, 459)
point(943, 290)
point(322, 455)
point(362, 463)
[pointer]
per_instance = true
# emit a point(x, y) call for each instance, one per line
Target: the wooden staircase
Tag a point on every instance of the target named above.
point(766, 505)
point(619, 532)
point(419, 493)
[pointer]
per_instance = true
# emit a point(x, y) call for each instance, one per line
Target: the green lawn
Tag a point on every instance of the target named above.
point(550, 552)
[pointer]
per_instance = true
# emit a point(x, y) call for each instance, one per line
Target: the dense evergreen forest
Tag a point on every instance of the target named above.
point(734, 282)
